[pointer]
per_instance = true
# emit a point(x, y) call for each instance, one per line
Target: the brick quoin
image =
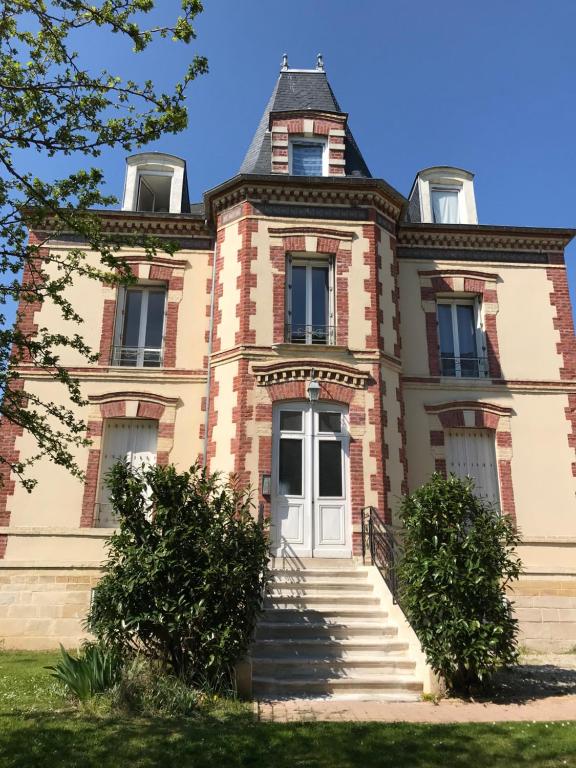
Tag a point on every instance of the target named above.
point(342, 268)
point(9, 433)
point(372, 285)
point(570, 412)
point(560, 300)
point(379, 480)
point(3, 545)
point(246, 307)
point(242, 413)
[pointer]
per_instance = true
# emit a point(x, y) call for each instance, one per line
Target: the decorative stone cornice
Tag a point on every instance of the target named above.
point(338, 191)
point(302, 370)
point(479, 237)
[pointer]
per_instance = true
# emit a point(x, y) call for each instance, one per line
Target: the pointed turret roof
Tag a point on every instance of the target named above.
point(299, 90)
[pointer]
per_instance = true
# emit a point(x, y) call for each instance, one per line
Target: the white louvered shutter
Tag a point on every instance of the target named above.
point(471, 453)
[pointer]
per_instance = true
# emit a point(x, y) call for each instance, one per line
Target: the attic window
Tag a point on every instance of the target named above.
point(445, 205)
point(308, 157)
point(154, 192)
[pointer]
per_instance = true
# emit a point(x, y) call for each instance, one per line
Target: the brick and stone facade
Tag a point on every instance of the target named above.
point(228, 363)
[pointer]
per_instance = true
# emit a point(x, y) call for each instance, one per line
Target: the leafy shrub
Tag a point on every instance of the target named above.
point(185, 572)
point(93, 671)
point(458, 559)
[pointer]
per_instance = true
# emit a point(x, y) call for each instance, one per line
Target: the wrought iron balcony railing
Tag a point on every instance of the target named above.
point(464, 367)
point(295, 333)
point(137, 357)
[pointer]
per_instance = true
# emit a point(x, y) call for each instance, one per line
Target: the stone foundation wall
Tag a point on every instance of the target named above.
point(546, 611)
point(41, 608)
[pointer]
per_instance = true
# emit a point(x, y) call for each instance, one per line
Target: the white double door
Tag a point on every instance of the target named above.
point(310, 507)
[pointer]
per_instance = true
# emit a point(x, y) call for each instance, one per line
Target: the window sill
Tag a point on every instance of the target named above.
point(322, 349)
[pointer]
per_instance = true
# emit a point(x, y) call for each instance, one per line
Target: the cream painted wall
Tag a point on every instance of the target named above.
point(193, 321)
point(358, 299)
point(527, 349)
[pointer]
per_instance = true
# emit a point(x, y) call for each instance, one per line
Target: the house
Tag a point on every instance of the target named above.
point(329, 340)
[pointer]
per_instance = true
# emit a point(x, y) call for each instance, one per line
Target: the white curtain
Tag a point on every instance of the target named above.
point(445, 206)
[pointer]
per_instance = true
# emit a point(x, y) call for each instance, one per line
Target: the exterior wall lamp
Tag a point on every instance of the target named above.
point(313, 388)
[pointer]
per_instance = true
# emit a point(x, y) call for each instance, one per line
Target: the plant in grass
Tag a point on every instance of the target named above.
point(185, 572)
point(95, 670)
point(459, 557)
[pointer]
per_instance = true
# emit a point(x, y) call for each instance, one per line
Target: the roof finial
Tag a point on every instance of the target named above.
point(320, 62)
point(285, 62)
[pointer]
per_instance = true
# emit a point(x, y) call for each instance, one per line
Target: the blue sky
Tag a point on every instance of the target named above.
point(487, 86)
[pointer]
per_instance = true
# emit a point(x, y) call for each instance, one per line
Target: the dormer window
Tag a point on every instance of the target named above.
point(445, 205)
point(154, 192)
point(308, 157)
point(155, 183)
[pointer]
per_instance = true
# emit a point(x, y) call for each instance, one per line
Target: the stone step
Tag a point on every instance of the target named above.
point(320, 602)
point(399, 686)
point(316, 574)
point(302, 615)
point(297, 565)
point(319, 588)
point(312, 666)
point(299, 647)
point(327, 630)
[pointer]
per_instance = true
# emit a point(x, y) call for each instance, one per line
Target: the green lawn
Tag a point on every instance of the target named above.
point(39, 728)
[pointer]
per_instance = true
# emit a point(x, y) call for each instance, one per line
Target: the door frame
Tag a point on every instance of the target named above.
point(310, 496)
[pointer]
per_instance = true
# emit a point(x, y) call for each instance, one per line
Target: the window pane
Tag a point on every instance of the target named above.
point(319, 304)
point(466, 330)
point(445, 206)
point(290, 468)
point(298, 318)
point(330, 468)
point(307, 159)
point(291, 421)
point(446, 339)
point(329, 422)
point(155, 320)
point(145, 197)
point(132, 319)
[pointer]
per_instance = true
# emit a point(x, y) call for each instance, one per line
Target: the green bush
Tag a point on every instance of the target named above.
point(93, 671)
point(459, 556)
point(185, 572)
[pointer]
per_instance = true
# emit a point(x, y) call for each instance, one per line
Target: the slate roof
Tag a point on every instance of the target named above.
point(299, 90)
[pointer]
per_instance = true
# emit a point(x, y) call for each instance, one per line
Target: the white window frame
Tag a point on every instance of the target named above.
point(448, 188)
point(143, 172)
point(310, 140)
point(309, 262)
point(146, 288)
point(453, 302)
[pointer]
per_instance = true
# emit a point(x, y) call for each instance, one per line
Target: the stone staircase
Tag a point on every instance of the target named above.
point(324, 632)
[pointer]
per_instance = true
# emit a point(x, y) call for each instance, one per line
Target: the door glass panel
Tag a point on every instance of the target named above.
point(330, 468)
point(319, 305)
point(290, 468)
point(329, 422)
point(298, 318)
point(132, 319)
point(446, 339)
point(291, 421)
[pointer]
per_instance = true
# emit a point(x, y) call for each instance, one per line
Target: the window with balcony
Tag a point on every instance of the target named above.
point(308, 157)
point(460, 339)
point(310, 314)
point(140, 327)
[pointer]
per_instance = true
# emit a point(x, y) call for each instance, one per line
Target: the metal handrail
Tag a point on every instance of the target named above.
point(137, 357)
point(378, 540)
point(464, 367)
point(297, 333)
